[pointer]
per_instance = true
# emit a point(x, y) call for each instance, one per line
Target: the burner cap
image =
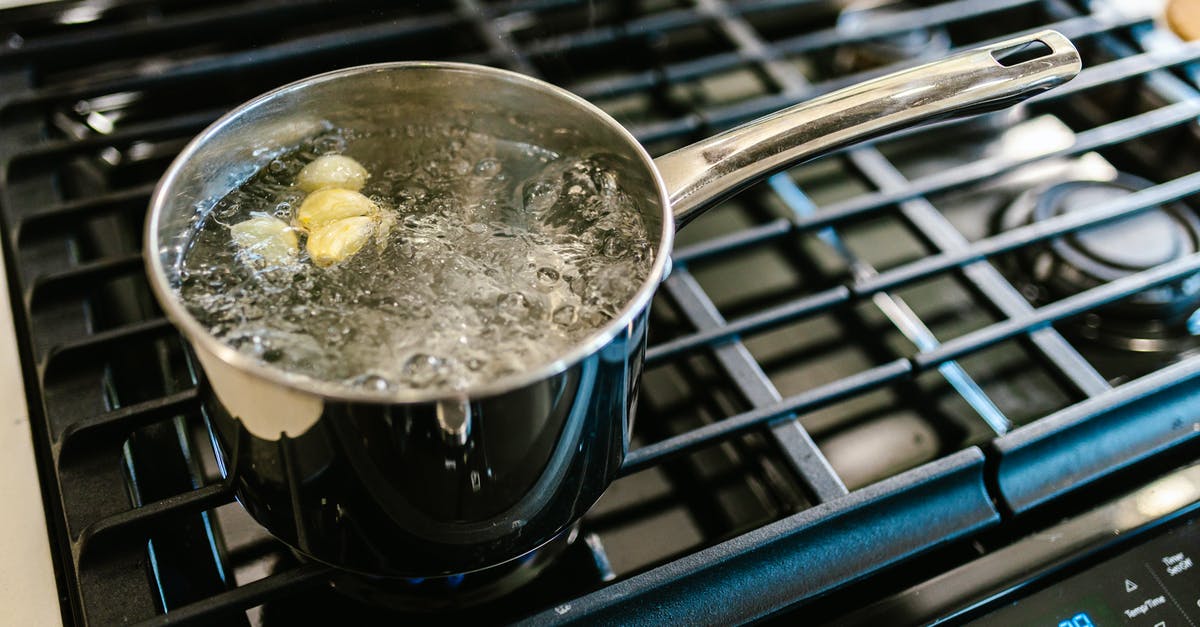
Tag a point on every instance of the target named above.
point(1154, 320)
point(1113, 250)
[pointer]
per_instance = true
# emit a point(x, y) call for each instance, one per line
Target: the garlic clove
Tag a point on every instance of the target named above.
point(332, 171)
point(338, 241)
point(326, 206)
point(267, 238)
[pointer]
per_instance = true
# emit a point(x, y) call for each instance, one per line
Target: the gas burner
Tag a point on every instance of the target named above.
point(572, 561)
point(453, 592)
point(920, 43)
point(1160, 320)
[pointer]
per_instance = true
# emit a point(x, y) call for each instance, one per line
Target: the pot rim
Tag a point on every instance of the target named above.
point(169, 299)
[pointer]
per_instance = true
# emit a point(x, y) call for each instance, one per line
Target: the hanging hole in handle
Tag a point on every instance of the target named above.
point(1020, 53)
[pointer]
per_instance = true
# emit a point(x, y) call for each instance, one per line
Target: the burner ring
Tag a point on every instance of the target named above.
point(923, 42)
point(1154, 320)
point(1103, 252)
point(452, 592)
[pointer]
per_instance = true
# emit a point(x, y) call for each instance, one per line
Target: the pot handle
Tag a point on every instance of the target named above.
point(982, 79)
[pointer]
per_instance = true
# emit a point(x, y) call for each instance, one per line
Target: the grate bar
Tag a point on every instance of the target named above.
point(734, 241)
point(799, 557)
point(188, 124)
point(794, 442)
point(896, 310)
point(84, 273)
point(137, 520)
point(874, 378)
point(1065, 308)
point(499, 41)
point(128, 418)
point(1122, 69)
point(1012, 239)
point(1074, 28)
point(1041, 461)
point(521, 6)
point(692, 69)
point(868, 286)
point(774, 316)
point(1085, 141)
point(223, 65)
point(938, 231)
point(790, 437)
point(646, 456)
point(104, 339)
point(104, 38)
point(90, 206)
point(243, 597)
point(729, 115)
point(897, 23)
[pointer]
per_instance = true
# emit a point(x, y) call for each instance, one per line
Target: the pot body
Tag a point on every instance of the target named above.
point(388, 490)
point(408, 484)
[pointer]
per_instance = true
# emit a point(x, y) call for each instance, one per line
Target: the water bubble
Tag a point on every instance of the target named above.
point(613, 247)
point(564, 316)
point(487, 167)
point(512, 302)
point(413, 192)
point(226, 210)
point(371, 381)
point(539, 196)
point(329, 144)
point(422, 369)
point(547, 275)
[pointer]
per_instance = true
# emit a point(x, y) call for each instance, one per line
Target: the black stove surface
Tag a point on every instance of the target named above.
point(860, 371)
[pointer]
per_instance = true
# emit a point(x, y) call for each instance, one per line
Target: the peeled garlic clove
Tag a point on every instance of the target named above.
point(271, 239)
point(327, 206)
point(340, 240)
point(332, 171)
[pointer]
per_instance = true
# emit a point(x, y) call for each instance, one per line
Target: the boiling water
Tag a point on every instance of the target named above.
point(502, 257)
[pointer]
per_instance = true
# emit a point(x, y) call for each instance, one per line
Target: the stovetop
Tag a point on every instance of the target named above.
point(870, 368)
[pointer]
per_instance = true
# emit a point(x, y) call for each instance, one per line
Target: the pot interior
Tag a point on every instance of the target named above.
point(409, 103)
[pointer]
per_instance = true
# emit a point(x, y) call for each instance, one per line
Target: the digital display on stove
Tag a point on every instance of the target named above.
point(1156, 584)
point(1079, 620)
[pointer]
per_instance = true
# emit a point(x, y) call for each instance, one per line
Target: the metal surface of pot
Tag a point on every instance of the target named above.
point(405, 484)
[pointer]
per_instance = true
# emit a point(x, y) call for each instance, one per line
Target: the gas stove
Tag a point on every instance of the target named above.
point(869, 376)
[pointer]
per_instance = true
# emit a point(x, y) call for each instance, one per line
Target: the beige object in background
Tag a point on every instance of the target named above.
point(1183, 16)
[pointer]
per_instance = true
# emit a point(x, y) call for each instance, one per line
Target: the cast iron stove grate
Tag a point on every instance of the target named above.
point(848, 365)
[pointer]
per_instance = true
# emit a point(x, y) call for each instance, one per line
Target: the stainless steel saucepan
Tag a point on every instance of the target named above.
point(407, 484)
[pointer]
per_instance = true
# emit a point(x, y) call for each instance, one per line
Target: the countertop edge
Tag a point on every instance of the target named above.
point(28, 591)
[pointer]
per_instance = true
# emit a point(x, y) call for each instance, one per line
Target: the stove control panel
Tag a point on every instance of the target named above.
point(1156, 583)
